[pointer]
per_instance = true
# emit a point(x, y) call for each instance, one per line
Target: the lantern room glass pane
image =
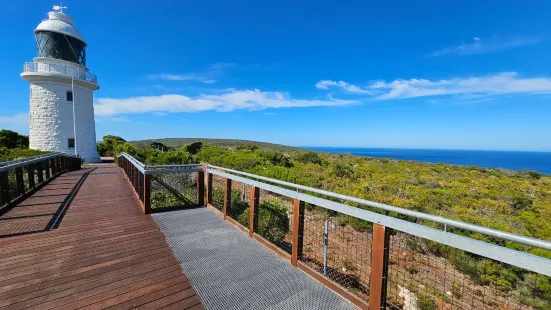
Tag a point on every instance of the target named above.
point(60, 46)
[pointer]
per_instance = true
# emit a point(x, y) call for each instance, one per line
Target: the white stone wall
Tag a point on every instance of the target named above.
point(51, 119)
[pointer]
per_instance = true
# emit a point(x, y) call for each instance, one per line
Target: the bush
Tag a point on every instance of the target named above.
point(309, 158)
point(163, 200)
point(109, 145)
point(247, 147)
point(194, 148)
point(11, 154)
point(425, 302)
point(276, 158)
point(273, 222)
point(158, 146)
point(11, 139)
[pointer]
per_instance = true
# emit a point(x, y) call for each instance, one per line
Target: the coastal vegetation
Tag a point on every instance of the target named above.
point(14, 145)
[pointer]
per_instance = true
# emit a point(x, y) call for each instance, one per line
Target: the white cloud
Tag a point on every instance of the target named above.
point(226, 101)
point(221, 66)
point(470, 87)
point(494, 85)
point(325, 84)
point(482, 46)
point(18, 122)
point(181, 77)
point(208, 76)
point(461, 90)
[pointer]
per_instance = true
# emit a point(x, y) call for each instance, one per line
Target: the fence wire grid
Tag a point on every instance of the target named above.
point(428, 275)
point(175, 190)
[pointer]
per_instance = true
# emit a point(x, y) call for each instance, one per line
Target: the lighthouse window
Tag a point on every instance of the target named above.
point(71, 143)
point(70, 96)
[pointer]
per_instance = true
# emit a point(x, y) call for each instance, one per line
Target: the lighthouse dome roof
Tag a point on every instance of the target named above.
point(60, 23)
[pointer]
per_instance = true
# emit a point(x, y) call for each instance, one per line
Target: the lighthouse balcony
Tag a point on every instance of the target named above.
point(60, 70)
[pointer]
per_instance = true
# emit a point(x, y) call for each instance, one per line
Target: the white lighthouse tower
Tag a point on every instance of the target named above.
point(61, 101)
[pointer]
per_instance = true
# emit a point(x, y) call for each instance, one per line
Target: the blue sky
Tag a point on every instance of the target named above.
point(423, 74)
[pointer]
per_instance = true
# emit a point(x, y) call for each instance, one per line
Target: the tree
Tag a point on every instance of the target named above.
point(194, 148)
point(11, 139)
point(158, 146)
point(110, 143)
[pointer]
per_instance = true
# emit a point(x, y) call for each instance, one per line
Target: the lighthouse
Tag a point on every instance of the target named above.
point(61, 97)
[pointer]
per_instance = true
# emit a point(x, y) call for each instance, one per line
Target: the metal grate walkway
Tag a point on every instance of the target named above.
point(229, 270)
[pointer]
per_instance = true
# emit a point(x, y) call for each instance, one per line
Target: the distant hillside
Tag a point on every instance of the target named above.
point(178, 142)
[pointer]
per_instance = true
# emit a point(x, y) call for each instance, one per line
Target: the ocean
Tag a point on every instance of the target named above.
point(536, 161)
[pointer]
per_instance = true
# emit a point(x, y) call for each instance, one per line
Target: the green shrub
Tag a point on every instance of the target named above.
point(12, 140)
point(309, 158)
point(194, 148)
point(425, 302)
point(273, 221)
point(11, 154)
point(161, 199)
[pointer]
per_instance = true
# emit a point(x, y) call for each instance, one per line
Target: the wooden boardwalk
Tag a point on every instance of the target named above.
point(104, 254)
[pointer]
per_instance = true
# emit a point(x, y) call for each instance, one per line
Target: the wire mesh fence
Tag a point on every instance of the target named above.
point(429, 275)
point(338, 249)
point(217, 195)
point(174, 190)
point(275, 219)
point(239, 206)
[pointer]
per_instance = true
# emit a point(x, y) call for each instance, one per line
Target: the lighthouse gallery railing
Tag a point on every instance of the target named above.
point(61, 70)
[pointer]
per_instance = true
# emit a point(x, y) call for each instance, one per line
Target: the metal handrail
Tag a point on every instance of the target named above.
point(419, 215)
point(160, 169)
point(12, 164)
point(61, 70)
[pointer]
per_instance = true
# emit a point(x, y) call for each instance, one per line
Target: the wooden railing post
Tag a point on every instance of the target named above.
point(379, 267)
point(201, 187)
point(5, 187)
point(210, 178)
point(19, 180)
point(47, 168)
point(57, 165)
point(253, 216)
point(227, 197)
point(40, 171)
point(147, 193)
point(298, 231)
point(135, 178)
point(30, 175)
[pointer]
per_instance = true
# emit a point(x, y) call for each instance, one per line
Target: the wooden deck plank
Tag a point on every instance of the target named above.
point(104, 254)
point(84, 249)
point(65, 289)
point(45, 288)
point(144, 299)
